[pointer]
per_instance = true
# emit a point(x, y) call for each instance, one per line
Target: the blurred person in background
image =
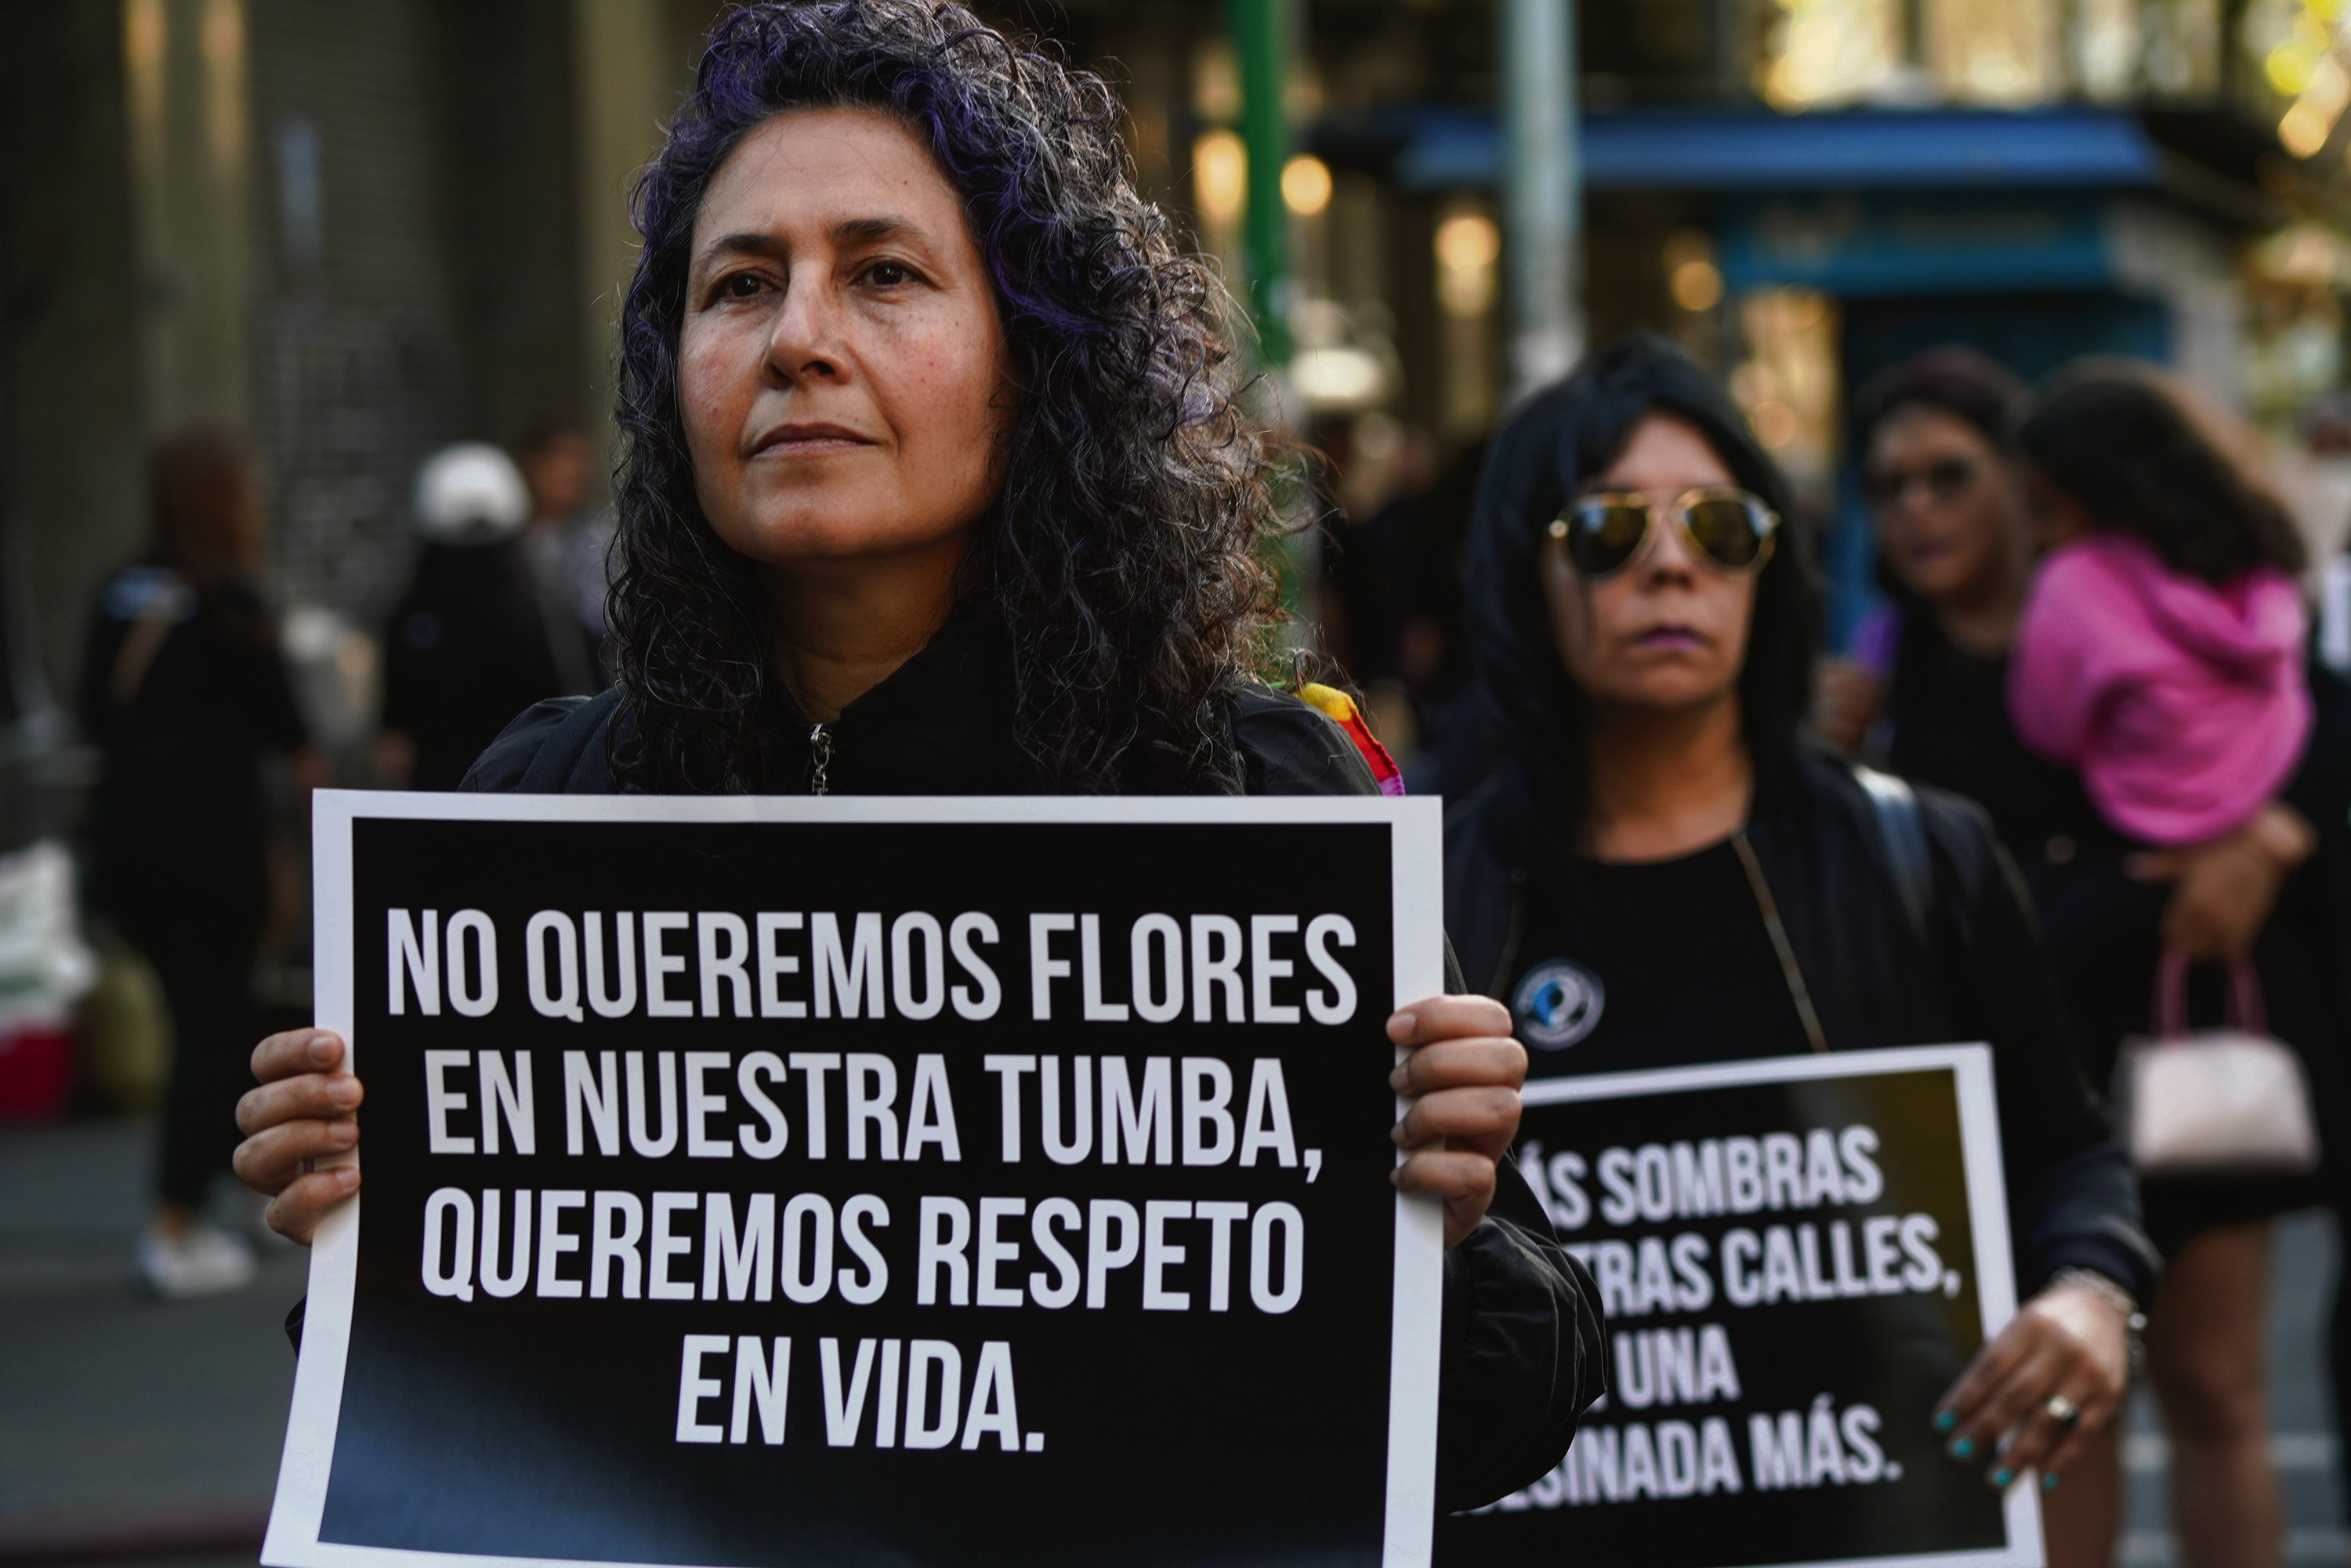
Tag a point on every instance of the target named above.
point(2161, 655)
point(1955, 554)
point(185, 693)
point(468, 646)
point(2315, 483)
point(568, 543)
point(1399, 575)
point(1658, 846)
point(1928, 694)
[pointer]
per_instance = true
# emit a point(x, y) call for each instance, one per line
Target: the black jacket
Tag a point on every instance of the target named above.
point(2072, 1199)
point(184, 692)
point(466, 647)
point(1522, 1352)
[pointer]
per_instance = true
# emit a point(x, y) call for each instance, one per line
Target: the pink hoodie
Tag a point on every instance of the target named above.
point(2182, 706)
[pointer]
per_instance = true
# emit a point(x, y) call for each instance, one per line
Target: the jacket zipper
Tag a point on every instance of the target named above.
point(820, 758)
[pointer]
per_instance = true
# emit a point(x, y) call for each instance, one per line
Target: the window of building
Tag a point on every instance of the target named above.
point(1821, 53)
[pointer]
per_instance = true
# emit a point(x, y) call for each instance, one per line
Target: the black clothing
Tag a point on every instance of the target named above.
point(183, 693)
point(1522, 1348)
point(201, 940)
point(184, 738)
point(1873, 981)
point(2321, 790)
point(1689, 969)
point(1947, 722)
point(466, 651)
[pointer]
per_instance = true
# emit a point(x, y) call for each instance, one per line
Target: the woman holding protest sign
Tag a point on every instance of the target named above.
point(934, 484)
point(1659, 846)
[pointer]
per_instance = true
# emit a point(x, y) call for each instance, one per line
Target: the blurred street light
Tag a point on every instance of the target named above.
point(1306, 185)
point(1220, 178)
point(1467, 247)
point(2310, 120)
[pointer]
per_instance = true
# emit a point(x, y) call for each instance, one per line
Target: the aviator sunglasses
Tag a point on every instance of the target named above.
point(1608, 531)
point(1945, 479)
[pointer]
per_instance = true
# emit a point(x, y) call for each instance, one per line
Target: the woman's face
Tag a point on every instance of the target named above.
point(842, 365)
point(1667, 633)
point(1947, 507)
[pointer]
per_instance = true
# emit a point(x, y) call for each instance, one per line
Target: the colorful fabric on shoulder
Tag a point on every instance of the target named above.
point(1340, 708)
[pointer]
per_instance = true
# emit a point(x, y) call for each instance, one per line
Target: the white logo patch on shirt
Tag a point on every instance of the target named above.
point(1558, 1004)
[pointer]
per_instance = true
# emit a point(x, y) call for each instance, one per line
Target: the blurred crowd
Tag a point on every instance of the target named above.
point(189, 695)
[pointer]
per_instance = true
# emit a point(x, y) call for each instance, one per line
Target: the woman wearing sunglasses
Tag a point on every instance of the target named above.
point(1660, 874)
point(1950, 470)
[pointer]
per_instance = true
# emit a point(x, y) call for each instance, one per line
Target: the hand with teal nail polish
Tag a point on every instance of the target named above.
point(2047, 1384)
point(2049, 1481)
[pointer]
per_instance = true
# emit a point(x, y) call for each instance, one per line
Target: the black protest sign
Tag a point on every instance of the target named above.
point(1796, 1258)
point(769, 1181)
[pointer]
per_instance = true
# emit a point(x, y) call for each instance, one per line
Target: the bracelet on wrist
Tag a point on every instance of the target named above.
point(2116, 1296)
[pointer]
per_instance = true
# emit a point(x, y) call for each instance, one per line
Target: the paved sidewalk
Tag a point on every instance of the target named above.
point(127, 1425)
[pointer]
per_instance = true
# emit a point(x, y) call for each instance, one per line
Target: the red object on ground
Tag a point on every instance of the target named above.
point(36, 1069)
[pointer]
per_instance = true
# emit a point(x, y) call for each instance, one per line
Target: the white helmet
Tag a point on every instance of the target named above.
point(471, 493)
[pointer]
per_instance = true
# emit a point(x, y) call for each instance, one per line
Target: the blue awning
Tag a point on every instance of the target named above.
point(1437, 148)
point(1893, 243)
point(1868, 150)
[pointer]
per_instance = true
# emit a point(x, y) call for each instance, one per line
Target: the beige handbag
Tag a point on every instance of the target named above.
point(2228, 1102)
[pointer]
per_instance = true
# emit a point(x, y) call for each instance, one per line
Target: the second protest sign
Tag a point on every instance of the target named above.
point(1796, 1256)
point(768, 1181)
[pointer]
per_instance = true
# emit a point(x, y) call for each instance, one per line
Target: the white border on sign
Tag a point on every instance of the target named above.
point(1987, 1186)
point(1416, 898)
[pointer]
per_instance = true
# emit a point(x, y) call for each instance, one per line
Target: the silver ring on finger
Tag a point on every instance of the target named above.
point(2063, 1411)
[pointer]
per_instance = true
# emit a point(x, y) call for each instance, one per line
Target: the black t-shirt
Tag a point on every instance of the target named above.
point(1947, 714)
point(1678, 969)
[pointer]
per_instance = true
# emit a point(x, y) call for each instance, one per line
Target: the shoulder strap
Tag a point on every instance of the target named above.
point(1903, 838)
point(169, 602)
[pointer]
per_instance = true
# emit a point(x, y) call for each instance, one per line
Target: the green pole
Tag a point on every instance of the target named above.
point(1262, 45)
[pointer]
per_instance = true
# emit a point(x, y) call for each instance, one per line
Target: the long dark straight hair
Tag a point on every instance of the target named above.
point(1543, 456)
point(1121, 553)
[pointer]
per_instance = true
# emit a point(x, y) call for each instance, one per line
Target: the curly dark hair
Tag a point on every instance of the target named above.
point(1122, 550)
point(1560, 440)
point(2124, 449)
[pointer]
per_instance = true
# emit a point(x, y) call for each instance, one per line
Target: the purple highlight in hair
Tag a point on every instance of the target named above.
point(1120, 551)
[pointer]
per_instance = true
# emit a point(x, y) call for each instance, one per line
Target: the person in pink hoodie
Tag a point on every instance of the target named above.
point(2160, 652)
point(2160, 656)
point(2179, 700)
